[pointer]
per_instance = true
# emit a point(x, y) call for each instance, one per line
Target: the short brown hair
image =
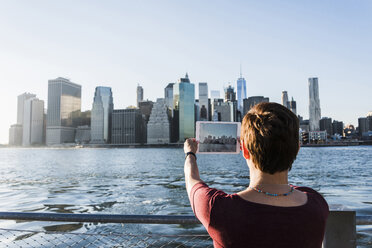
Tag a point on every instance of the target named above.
point(270, 132)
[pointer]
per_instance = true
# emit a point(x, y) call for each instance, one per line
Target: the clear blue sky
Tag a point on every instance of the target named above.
point(122, 43)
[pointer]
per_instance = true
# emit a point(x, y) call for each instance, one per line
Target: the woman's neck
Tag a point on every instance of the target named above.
point(258, 177)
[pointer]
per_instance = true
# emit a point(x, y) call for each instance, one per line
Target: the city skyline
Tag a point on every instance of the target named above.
point(279, 49)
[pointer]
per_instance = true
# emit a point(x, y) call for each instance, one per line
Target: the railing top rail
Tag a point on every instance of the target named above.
point(120, 218)
point(102, 218)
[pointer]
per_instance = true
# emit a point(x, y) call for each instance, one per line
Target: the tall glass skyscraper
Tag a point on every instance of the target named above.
point(64, 107)
point(314, 104)
point(183, 101)
point(101, 119)
point(241, 91)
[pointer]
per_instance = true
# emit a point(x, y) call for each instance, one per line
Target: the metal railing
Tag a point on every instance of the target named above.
point(341, 229)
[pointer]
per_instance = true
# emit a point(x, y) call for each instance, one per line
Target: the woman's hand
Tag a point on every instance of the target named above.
point(190, 145)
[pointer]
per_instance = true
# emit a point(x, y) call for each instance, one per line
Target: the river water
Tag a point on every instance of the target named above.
point(150, 181)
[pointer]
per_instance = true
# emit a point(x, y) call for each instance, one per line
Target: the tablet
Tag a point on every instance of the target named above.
point(218, 137)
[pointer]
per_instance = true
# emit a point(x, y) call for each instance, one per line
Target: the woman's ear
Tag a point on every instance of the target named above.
point(244, 149)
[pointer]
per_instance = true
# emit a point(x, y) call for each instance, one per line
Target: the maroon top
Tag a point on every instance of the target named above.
point(234, 222)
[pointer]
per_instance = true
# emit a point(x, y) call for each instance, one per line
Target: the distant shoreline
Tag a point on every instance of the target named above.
point(172, 145)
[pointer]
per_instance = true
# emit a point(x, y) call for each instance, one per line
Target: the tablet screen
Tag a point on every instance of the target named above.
point(218, 137)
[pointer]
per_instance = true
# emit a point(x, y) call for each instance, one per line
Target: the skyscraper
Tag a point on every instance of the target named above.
point(20, 105)
point(325, 124)
point(285, 99)
point(145, 107)
point(241, 91)
point(33, 122)
point(292, 106)
point(203, 101)
point(314, 104)
point(168, 95)
point(183, 101)
point(139, 95)
point(101, 118)
point(158, 127)
point(230, 94)
point(251, 101)
point(64, 107)
point(16, 130)
point(224, 111)
point(337, 127)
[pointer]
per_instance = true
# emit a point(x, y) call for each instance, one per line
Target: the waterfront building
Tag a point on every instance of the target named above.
point(83, 134)
point(197, 110)
point(363, 125)
point(241, 92)
point(367, 135)
point(349, 132)
point(16, 132)
point(304, 126)
point(209, 110)
point(203, 102)
point(84, 119)
point(145, 108)
point(64, 107)
point(127, 127)
point(337, 127)
point(317, 137)
point(325, 124)
point(251, 101)
point(20, 105)
point(15, 135)
point(33, 122)
point(230, 94)
point(224, 111)
point(285, 99)
point(101, 116)
point(215, 115)
point(158, 127)
point(184, 101)
point(139, 94)
point(292, 106)
point(314, 104)
point(168, 95)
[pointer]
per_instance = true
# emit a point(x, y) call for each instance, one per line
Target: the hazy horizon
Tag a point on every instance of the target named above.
point(123, 43)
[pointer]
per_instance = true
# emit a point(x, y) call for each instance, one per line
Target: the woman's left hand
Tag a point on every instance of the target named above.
point(190, 145)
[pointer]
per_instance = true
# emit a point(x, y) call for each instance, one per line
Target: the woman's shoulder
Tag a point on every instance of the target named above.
point(313, 196)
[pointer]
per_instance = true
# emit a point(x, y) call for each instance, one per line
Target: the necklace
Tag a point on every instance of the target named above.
point(272, 194)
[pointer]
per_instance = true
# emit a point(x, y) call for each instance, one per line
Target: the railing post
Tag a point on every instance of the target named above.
point(340, 228)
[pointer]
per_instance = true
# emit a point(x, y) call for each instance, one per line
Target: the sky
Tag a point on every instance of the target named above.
point(121, 44)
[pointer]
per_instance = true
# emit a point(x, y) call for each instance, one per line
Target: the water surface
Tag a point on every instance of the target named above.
point(151, 181)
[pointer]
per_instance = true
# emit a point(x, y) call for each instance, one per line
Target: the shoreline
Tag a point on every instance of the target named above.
point(172, 145)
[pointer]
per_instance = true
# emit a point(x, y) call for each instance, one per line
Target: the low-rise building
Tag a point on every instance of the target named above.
point(316, 137)
point(128, 127)
point(15, 135)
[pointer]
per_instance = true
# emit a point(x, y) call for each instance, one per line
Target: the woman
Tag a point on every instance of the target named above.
point(269, 212)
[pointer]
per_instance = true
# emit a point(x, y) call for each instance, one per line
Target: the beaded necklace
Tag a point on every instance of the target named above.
point(271, 194)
